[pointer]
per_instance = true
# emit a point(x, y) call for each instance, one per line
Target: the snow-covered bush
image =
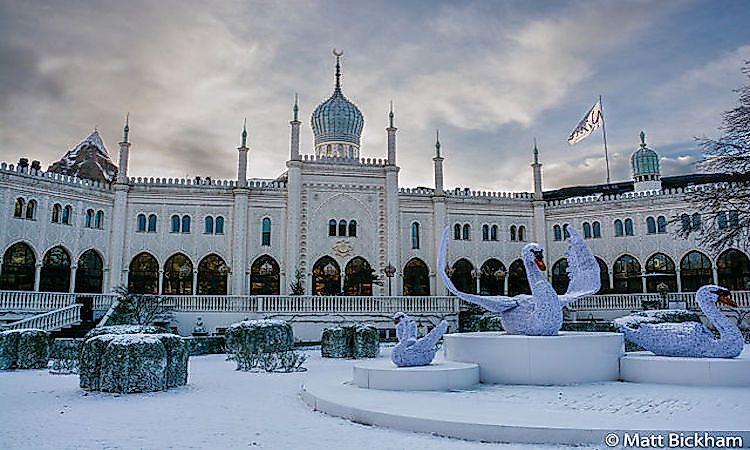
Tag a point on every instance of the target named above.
point(353, 341)
point(90, 364)
point(259, 336)
point(64, 355)
point(205, 345)
point(490, 322)
point(178, 355)
point(133, 363)
point(366, 343)
point(125, 329)
point(283, 361)
point(24, 349)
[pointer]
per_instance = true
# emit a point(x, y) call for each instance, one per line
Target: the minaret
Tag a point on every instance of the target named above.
point(438, 166)
point(391, 138)
point(294, 144)
point(242, 163)
point(538, 230)
point(537, 166)
point(439, 217)
point(122, 170)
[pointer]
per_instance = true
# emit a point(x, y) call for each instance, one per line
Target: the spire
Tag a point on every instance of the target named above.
point(643, 138)
point(126, 129)
point(390, 116)
point(244, 133)
point(338, 54)
point(437, 143)
point(536, 153)
point(296, 107)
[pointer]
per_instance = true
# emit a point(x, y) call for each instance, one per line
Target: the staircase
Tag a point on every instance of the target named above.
point(76, 330)
point(49, 321)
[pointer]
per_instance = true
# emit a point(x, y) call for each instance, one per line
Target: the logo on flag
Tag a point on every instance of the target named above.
point(590, 122)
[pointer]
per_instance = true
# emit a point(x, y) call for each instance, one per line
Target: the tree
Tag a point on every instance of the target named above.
point(724, 205)
point(139, 309)
point(298, 285)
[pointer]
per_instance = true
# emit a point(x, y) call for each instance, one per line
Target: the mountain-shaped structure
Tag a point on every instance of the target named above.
point(89, 160)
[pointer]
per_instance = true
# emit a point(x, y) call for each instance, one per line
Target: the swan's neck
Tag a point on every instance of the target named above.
point(719, 320)
point(533, 273)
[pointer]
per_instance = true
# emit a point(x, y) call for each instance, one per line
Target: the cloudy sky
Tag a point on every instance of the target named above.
point(490, 75)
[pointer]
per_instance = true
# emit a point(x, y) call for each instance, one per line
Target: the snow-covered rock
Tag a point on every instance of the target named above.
point(259, 336)
point(134, 363)
point(24, 349)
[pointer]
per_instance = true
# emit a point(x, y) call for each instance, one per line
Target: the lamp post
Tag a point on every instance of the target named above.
point(389, 271)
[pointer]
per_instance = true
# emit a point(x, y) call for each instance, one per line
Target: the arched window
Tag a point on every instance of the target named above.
point(733, 268)
point(332, 227)
point(31, 210)
point(67, 214)
point(492, 279)
point(141, 223)
point(152, 223)
point(175, 224)
point(485, 232)
point(493, 233)
point(352, 228)
point(560, 279)
point(628, 227)
point(55, 274)
point(56, 212)
point(618, 228)
point(650, 225)
point(326, 277)
point(557, 232)
point(265, 238)
point(603, 276)
point(18, 269)
point(186, 224)
point(696, 222)
point(219, 225)
point(457, 231)
point(722, 219)
point(522, 233)
point(512, 232)
point(178, 276)
point(358, 277)
point(264, 276)
point(695, 271)
point(143, 275)
point(518, 283)
point(661, 224)
point(466, 235)
point(734, 219)
point(660, 269)
point(99, 219)
point(566, 233)
point(212, 276)
point(208, 225)
point(586, 230)
point(342, 227)
point(415, 235)
point(627, 275)
point(597, 228)
point(461, 276)
point(18, 211)
point(90, 273)
point(416, 277)
point(89, 218)
point(685, 219)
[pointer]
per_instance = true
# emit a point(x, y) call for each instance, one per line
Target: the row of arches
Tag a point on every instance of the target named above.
point(342, 228)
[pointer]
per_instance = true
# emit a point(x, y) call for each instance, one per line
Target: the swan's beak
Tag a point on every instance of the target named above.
point(727, 300)
point(396, 320)
point(540, 263)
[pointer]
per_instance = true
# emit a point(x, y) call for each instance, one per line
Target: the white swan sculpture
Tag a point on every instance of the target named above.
point(538, 314)
point(411, 351)
point(691, 339)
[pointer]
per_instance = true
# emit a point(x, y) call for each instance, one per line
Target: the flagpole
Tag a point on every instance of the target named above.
point(604, 135)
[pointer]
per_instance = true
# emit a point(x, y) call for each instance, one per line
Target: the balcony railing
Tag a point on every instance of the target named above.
point(49, 321)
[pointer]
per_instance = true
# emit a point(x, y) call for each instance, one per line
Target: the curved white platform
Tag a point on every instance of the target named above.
point(439, 376)
point(568, 358)
point(645, 367)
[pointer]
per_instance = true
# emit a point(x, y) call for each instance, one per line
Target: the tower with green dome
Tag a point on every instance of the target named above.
point(645, 165)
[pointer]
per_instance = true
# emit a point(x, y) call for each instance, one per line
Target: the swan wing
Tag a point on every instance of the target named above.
point(583, 270)
point(497, 303)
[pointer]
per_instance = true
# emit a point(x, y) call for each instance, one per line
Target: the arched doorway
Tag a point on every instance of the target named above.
point(627, 275)
point(416, 277)
point(90, 273)
point(212, 276)
point(695, 271)
point(178, 275)
point(603, 275)
point(55, 274)
point(326, 277)
point(461, 276)
point(518, 283)
point(264, 276)
point(143, 276)
point(560, 279)
point(492, 279)
point(660, 269)
point(19, 268)
point(733, 269)
point(358, 277)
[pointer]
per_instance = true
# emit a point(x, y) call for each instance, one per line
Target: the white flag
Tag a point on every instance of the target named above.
point(588, 124)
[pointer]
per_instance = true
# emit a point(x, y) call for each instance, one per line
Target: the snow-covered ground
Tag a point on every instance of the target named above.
point(220, 408)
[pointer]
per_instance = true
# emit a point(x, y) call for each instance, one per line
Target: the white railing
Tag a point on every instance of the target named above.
point(613, 301)
point(49, 301)
point(49, 321)
point(742, 298)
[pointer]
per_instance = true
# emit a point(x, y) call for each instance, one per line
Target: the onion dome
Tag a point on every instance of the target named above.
point(645, 162)
point(337, 123)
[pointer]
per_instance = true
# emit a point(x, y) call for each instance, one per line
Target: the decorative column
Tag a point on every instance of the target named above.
point(72, 282)
point(239, 221)
point(242, 158)
point(294, 141)
point(37, 274)
point(393, 211)
point(715, 273)
point(118, 224)
point(679, 280)
point(161, 281)
point(391, 138)
point(539, 228)
point(122, 170)
point(293, 204)
point(439, 216)
point(195, 281)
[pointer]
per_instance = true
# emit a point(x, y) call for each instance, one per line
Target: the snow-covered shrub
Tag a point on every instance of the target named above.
point(177, 359)
point(125, 329)
point(283, 361)
point(90, 364)
point(133, 363)
point(490, 322)
point(205, 345)
point(24, 349)
point(64, 355)
point(352, 341)
point(259, 336)
point(366, 343)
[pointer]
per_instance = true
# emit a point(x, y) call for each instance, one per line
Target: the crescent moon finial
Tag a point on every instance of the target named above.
point(337, 53)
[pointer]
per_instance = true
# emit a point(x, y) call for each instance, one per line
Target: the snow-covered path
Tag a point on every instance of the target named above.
point(220, 408)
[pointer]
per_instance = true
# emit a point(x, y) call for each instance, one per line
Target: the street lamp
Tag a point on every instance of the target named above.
point(389, 271)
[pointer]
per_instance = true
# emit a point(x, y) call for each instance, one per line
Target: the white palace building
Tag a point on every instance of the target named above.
point(339, 221)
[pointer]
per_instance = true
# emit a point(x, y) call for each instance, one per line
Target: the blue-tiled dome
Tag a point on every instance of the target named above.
point(337, 119)
point(644, 161)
